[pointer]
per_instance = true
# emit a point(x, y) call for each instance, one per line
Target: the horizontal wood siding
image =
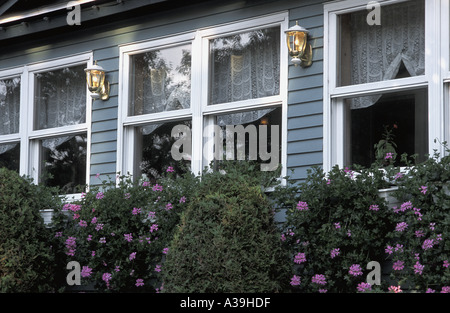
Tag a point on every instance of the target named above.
point(305, 97)
point(305, 85)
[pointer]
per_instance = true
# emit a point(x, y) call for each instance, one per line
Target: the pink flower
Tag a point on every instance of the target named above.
point(363, 287)
point(86, 271)
point(302, 206)
point(334, 253)
point(132, 256)
point(395, 289)
point(136, 211)
point(128, 237)
point(355, 270)
point(423, 189)
point(99, 195)
point(428, 244)
point(446, 264)
point(166, 250)
point(295, 280)
point(183, 199)
point(300, 258)
point(139, 282)
point(169, 206)
point(418, 268)
point(401, 226)
point(374, 207)
point(445, 289)
point(157, 188)
point(169, 169)
point(82, 223)
point(389, 155)
point(153, 228)
point(158, 268)
point(319, 279)
point(398, 265)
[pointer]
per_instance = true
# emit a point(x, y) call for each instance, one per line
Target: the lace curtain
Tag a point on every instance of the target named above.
point(245, 66)
point(378, 51)
point(60, 100)
point(9, 110)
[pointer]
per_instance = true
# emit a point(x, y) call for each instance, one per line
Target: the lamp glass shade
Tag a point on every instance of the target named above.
point(95, 77)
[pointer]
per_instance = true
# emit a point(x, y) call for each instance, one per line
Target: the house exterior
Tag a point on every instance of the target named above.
point(178, 68)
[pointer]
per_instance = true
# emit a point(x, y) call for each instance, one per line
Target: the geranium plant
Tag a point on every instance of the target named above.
point(120, 231)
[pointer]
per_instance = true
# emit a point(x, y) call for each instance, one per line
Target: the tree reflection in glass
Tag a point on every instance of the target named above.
point(153, 150)
point(10, 156)
point(63, 162)
point(160, 80)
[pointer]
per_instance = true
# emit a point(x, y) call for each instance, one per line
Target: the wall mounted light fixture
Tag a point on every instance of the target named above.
point(299, 48)
point(97, 84)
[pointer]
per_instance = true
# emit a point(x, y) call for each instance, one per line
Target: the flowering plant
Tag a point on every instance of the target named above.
point(337, 223)
point(120, 231)
point(420, 240)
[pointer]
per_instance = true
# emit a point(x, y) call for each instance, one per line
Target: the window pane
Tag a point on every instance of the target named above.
point(160, 80)
point(259, 138)
point(153, 150)
point(60, 97)
point(9, 105)
point(394, 49)
point(403, 115)
point(63, 161)
point(245, 66)
point(10, 156)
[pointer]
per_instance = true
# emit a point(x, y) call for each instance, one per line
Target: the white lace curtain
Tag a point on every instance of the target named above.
point(60, 100)
point(246, 70)
point(9, 110)
point(378, 51)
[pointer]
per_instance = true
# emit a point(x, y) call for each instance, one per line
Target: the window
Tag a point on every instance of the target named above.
point(44, 133)
point(188, 88)
point(381, 78)
point(9, 122)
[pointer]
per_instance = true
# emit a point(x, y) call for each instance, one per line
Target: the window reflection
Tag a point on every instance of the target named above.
point(10, 156)
point(160, 80)
point(153, 144)
point(9, 106)
point(250, 142)
point(63, 162)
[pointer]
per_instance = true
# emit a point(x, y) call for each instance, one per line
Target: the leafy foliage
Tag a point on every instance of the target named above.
point(227, 240)
point(118, 232)
point(334, 222)
point(26, 255)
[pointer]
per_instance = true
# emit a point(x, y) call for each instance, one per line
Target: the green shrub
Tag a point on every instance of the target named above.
point(26, 255)
point(119, 233)
point(227, 240)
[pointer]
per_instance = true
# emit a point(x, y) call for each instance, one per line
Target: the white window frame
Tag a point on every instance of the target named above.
point(333, 111)
point(28, 138)
point(200, 113)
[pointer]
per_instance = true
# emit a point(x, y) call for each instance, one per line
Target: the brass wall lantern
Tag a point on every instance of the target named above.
point(97, 84)
point(299, 49)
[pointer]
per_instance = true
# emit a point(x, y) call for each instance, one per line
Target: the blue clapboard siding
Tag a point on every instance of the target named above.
point(305, 122)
